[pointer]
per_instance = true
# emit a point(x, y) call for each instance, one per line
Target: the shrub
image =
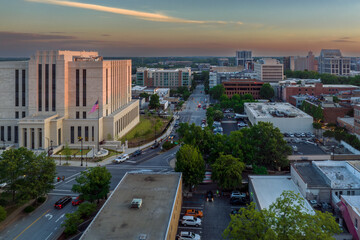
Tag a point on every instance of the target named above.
point(2, 213)
point(86, 209)
point(29, 209)
point(41, 199)
point(168, 145)
point(3, 202)
point(71, 223)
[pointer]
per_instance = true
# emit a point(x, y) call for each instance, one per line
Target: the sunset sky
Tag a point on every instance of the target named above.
point(179, 28)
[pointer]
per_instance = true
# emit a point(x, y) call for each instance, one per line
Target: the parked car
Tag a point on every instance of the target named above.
point(237, 194)
point(137, 153)
point(235, 211)
point(199, 106)
point(238, 201)
point(155, 145)
point(121, 158)
point(209, 196)
point(204, 107)
point(78, 200)
point(191, 221)
point(188, 235)
point(194, 212)
point(62, 202)
point(203, 121)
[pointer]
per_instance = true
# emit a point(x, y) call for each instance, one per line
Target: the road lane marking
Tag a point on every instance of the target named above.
point(49, 236)
point(70, 180)
point(50, 216)
point(62, 190)
point(196, 228)
point(60, 217)
point(31, 224)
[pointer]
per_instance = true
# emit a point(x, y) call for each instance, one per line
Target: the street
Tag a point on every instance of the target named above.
point(45, 222)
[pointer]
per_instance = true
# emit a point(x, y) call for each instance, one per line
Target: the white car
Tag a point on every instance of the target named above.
point(188, 235)
point(122, 158)
point(237, 194)
point(191, 221)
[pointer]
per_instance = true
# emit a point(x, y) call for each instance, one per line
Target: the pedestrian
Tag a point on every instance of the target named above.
point(217, 193)
point(63, 178)
point(58, 179)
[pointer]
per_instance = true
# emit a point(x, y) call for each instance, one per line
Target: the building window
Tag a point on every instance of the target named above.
point(9, 133)
point(16, 88)
point(72, 134)
point(106, 82)
point(23, 88)
point(40, 138)
point(2, 133)
point(84, 115)
point(25, 137)
point(77, 87)
point(16, 136)
point(16, 114)
point(32, 138)
point(356, 223)
point(352, 192)
point(92, 133)
point(79, 132)
point(40, 88)
point(59, 136)
point(348, 193)
point(84, 87)
point(86, 134)
point(53, 87)
point(77, 115)
point(23, 114)
point(46, 87)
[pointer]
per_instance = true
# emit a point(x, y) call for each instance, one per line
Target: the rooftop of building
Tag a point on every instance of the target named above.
point(141, 69)
point(330, 53)
point(310, 175)
point(341, 174)
point(268, 61)
point(268, 188)
point(275, 110)
point(353, 201)
point(348, 120)
point(116, 220)
point(138, 88)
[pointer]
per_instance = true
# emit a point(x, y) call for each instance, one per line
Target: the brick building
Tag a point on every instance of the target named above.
point(243, 86)
point(316, 89)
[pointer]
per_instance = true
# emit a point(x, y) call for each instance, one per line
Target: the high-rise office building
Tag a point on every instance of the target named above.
point(243, 58)
point(331, 61)
point(58, 96)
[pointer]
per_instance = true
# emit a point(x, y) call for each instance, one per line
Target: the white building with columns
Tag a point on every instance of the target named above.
point(47, 100)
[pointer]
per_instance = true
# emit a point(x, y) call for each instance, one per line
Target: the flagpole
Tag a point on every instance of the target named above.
point(98, 142)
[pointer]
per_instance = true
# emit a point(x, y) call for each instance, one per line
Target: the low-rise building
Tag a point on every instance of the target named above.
point(350, 210)
point(269, 70)
point(243, 86)
point(282, 115)
point(352, 124)
point(156, 218)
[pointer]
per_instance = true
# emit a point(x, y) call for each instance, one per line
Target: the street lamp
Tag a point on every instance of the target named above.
point(333, 150)
point(60, 158)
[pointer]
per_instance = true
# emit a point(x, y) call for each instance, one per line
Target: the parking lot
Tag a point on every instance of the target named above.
point(216, 215)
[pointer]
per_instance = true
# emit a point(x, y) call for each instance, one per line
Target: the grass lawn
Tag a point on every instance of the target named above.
point(74, 151)
point(145, 130)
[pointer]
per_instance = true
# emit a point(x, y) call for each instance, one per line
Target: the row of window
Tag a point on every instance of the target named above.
point(79, 133)
point(125, 120)
point(9, 135)
point(78, 87)
point(47, 90)
point(83, 115)
point(23, 114)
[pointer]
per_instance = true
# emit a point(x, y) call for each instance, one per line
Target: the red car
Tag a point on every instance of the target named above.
point(77, 201)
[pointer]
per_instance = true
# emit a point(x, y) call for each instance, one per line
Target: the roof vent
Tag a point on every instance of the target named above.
point(136, 203)
point(142, 237)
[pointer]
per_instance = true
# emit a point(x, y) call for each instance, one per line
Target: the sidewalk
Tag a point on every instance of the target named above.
point(127, 151)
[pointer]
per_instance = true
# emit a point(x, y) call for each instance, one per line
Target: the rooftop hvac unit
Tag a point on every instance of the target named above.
point(136, 203)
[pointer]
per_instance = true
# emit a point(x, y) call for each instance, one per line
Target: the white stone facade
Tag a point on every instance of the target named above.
point(47, 100)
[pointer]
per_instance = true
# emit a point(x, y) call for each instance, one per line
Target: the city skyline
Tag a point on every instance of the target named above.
point(163, 28)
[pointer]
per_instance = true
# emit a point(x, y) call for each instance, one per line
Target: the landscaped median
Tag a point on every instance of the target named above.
point(148, 129)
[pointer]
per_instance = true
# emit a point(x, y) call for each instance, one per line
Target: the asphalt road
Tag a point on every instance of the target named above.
point(192, 113)
point(45, 222)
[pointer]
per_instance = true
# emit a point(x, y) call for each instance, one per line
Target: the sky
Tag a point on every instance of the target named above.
point(179, 28)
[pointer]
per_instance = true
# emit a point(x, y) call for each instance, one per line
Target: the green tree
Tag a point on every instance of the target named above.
point(249, 223)
point(317, 125)
point(2, 213)
point(67, 152)
point(71, 223)
point(285, 219)
point(86, 209)
point(218, 115)
point(217, 91)
point(190, 162)
point(227, 170)
point(154, 101)
point(145, 95)
point(93, 184)
point(266, 91)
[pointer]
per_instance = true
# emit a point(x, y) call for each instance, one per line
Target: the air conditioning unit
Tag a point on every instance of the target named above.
point(136, 203)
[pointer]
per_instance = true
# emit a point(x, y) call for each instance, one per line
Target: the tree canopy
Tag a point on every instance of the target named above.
point(154, 101)
point(190, 162)
point(93, 184)
point(217, 91)
point(266, 91)
point(284, 220)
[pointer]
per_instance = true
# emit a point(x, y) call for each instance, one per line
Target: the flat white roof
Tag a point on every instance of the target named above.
point(348, 120)
point(138, 88)
point(274, 110)
point(268, 188)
